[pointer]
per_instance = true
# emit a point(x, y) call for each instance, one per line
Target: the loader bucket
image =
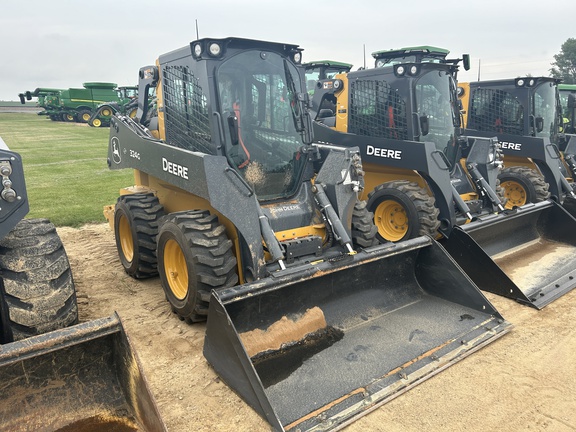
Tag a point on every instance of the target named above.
point(527, 254)
point(81, 378)
point(314, 347)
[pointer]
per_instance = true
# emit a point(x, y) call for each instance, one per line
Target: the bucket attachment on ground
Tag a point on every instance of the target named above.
point(313, 347)
point(81, 378)
point(527, 254)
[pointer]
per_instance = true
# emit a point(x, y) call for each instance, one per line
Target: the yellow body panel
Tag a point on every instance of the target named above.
point(160, 105)
point(464, 96)
point(342, 105)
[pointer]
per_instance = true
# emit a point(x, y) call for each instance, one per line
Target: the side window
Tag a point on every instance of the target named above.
point(186, 110)
point(375, 110)
point(497, 111)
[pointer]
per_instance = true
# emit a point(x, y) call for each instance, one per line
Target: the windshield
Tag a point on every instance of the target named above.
point(258, 104)
point(435, 101)
point(545, 107)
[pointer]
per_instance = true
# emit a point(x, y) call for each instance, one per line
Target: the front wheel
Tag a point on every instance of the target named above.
point(523, 185)
point(194, 257)
point(135, 228)
point(37, 292)
point(403, 210)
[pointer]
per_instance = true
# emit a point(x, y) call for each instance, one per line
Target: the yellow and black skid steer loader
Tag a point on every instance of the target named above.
point(252, 226)
point(423, 176)
point(526, 116)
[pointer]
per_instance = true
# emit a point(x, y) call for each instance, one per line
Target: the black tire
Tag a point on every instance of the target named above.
point(403, 210)
point(523, 185)
point(135, 228)
point(83, 116)
point(501, 193)
point(68, 117)
point(37, 293)
point(363, 229)
point(194, 256)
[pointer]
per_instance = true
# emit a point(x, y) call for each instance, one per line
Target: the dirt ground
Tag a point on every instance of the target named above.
point(524, 381)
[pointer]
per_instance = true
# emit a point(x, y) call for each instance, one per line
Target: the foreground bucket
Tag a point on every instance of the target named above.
point(312, 348)
point(527, 254)
point(81, 378)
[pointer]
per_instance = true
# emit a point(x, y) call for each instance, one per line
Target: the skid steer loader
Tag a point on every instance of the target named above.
point(525, 115)
point(424, 177)
point(259, 231)
point(56, 374)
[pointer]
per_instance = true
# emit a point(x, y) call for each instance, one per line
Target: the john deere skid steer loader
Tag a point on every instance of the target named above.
point(424, 177)
point(56, 374)
point(525, 115)
point(259, 231)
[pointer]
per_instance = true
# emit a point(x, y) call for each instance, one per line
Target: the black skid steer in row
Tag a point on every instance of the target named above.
point(256, 228)
point(425, 176)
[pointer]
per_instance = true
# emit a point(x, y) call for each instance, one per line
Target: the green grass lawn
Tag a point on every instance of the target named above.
point(67, 178)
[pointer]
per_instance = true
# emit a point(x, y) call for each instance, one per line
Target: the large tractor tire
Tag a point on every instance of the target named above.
point(194, 256)
point(403, 210)
point(363, 229)
point(522, 185)
point(136, 227)
point(83, 116)
point(68, 117)
point(37, 293)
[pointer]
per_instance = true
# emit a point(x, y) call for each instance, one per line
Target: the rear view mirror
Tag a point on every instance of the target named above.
point(233, 128)
point(424, 125)
point(466, 61)
point(539, 124)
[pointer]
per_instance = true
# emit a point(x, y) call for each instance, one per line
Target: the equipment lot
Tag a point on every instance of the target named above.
point(524, 381)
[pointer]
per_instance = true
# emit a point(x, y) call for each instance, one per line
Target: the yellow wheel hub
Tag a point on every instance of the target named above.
point(96, 123)
point(125, 236)
point(515, 193)
point(175, 269)
point(85, 117)
point(106, 112)
point(391, 220)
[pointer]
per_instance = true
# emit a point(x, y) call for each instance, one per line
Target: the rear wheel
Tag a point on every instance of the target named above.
point(68, 117)
point(403, 210)
point(363, 229)
point(37, 293)
point(83, 116)
point(523, 185)
point(136, 227)
point(194, 257)
point(96, 122)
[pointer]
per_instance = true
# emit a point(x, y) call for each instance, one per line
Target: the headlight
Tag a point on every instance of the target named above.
point(380, 63)
point(297, 57)
point(197, 50)
point(520, 83)
point(413, 70)
point(215, 49)
point(400, 70)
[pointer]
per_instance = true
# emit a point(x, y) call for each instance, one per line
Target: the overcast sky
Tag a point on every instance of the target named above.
point(63, 43)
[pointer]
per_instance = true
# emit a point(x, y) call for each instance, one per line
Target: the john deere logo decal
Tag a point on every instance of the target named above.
point(116, 150)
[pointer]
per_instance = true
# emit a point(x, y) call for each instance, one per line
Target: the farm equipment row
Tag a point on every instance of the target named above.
point(94, 104)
